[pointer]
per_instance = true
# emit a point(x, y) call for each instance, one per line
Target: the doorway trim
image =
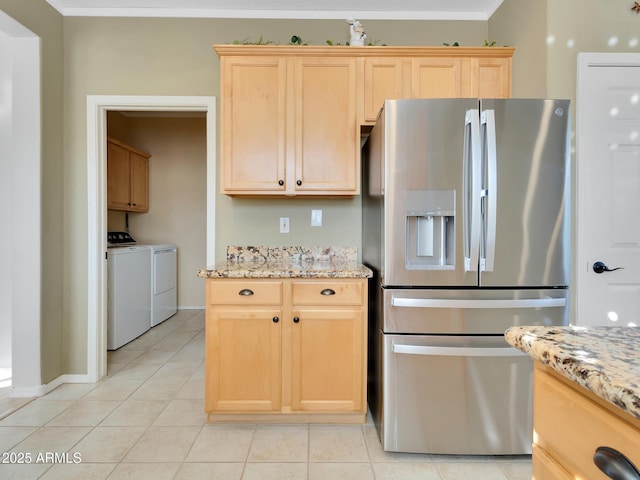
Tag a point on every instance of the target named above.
point(97, 108)
point(24, 155)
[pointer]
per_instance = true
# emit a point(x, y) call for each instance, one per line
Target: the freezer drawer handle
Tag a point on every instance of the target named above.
point(457, 351)
point(459, 303)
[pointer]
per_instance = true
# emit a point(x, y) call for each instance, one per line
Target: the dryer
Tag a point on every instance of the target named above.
point(164, 274)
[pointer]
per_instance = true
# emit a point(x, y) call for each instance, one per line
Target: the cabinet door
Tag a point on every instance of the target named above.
point(139, 174)
point(437, 77)
point(328, 360)
point(243, 367)
point(253, 116)
point(384, 79)
point(491, 77)
point(327, 135)
point(118, 177)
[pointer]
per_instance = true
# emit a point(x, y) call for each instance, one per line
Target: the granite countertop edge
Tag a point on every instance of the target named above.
point(311, 270)
point(288, 262)
point(603, 360)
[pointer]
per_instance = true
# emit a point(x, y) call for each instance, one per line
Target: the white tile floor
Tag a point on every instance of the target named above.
point(146, 421)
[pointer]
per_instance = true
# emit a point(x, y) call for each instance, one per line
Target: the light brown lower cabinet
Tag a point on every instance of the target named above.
point(570, 423)
point(286, 350)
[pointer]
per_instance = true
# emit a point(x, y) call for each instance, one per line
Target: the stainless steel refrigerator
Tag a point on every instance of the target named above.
point(466, 227)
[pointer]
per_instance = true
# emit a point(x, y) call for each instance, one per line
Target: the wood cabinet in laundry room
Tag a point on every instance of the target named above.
point(127, 177)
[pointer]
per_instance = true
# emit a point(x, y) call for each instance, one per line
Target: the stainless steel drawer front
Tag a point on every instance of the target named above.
point(463, 395)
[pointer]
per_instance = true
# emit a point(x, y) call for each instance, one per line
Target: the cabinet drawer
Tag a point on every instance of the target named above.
point(570, 427)
point(328, 293)
point(243, 292)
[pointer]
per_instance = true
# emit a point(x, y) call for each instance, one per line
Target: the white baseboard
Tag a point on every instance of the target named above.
point(40, 390)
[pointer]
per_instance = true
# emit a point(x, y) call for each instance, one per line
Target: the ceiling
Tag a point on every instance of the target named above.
point(299, 9)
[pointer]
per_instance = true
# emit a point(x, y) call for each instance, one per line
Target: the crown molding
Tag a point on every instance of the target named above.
point(71, 9)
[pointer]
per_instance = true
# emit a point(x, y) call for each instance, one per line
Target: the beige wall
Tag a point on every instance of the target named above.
point(517, 24)
point(585, 26)
point(548, 38)
point(119, 56)
point(177, 192)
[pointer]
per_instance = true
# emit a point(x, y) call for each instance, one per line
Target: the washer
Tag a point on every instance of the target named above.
point(164, 293)
point(128, 294)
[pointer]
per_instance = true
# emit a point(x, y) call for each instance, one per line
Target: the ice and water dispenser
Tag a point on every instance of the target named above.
point(430, 229)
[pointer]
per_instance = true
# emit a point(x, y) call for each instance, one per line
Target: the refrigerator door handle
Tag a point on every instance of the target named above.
point(456, 351)
point(491, 191)
point(472, 190)
point(476, 303)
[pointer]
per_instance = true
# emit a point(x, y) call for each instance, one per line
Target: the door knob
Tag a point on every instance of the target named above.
point(600, 267)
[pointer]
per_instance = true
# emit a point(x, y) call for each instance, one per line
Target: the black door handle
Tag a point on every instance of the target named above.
point(614, 464)
point(600, 267)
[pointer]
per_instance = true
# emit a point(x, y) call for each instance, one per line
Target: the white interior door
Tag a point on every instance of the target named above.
point(608, 188)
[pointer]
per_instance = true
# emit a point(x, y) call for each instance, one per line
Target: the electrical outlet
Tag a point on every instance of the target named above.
point(284, 224)
point(316, 218)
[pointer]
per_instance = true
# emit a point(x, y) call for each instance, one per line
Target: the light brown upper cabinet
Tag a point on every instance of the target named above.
point(433, 72)
point(327, 135)
point(291, 115)
point(127, 178)
point(383, 78)
point(491, 76)
point(288, 122)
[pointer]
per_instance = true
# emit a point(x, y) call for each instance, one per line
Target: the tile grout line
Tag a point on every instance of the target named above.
point(503, 468)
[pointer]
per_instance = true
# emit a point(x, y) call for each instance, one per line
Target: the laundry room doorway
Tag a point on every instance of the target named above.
point(99, 109)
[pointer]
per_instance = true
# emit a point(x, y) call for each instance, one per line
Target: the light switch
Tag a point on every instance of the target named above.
point(284, 224)
point(316, 218)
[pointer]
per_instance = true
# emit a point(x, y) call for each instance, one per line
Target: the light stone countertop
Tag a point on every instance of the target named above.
point(288, 262)
point(604, 360)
